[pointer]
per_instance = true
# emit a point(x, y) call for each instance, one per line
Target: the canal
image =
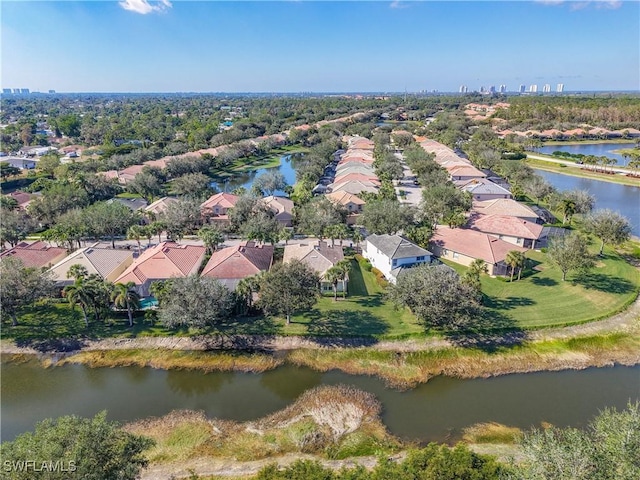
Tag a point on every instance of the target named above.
point(434, 411)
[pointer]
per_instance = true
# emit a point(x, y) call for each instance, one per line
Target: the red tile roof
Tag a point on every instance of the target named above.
point(506, 225)
point(35, 255)
point(224, 200)
point(164, 261)
point(473, 244)
point(239, 261)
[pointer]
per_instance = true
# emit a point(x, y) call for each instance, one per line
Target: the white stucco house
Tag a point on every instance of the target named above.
point(392, 253)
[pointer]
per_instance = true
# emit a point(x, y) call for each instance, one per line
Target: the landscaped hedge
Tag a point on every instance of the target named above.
point(363, 262)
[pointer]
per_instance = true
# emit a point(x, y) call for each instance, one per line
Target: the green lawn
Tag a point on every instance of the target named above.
point(363, 313)
point(542, 299)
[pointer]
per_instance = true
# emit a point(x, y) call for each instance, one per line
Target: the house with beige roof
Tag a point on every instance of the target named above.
point(506, 207)
point(281, 207)
point(162, 262)
point(319, 256)
point(352, 203)
point(354, 187)
point(232, 264)
point(109, 263)
point(216, 207)
point(159, 206)
point(482, 189)
point(463, 246)
point(510, 229)
point(23, 199)
point(35, 255)
point(464, 172)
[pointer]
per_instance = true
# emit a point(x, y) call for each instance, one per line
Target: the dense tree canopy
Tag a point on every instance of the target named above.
point(74, 448)
point(444, 301)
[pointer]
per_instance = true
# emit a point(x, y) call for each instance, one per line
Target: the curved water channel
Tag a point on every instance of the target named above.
point(246, 179)
point(624, 199)
point(435, 411)
point(597, 149)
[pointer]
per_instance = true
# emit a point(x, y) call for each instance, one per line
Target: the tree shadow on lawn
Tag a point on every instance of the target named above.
point(544, 282)
point(507, 303)
point(344, 328)
point(369, 301)
point(488, 332)
point(604, 283)
point(248, 334)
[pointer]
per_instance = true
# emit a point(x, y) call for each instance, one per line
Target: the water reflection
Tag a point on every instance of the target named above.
point(288, 383)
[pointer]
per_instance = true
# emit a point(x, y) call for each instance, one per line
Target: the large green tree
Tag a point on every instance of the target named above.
point(609, 226)
point(289, 288)
point(570, 252)
point(110, 219)
point(387, 216)
point(75, 448)
point(443, 301)
point(195, 302)
point(21, 287)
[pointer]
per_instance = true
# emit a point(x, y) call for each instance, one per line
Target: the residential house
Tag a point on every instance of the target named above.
point(35, 255)
point(109, 263)
point(282, 208)
point(232, 264)
point(513, 230)
point(392, 253)
point(159, 206)
point(320, 257)
point(134, 204)
point(368, 177)
point(506, 206)
point(161, 262)
point(22, 163)
point(354, 187)
point(465, 172)
point(23, 199)
point(351, 203)
point(482, 189)
point(216, 207)
point(129, 173)
point(463, 246)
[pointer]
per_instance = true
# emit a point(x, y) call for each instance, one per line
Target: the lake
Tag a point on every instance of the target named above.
point(435, 411)
point(624, 199)
point(597, 149)
point(246, 179)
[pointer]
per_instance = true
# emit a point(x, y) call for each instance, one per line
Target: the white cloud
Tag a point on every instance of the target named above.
point(143, 6)
point(579, 4)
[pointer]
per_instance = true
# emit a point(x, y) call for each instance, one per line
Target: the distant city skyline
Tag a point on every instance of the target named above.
point(301, 46)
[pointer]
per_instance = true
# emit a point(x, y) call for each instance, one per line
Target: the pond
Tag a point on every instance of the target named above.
point(597, 149)
point(435, 411)
point(246, 179)
point(624, 199)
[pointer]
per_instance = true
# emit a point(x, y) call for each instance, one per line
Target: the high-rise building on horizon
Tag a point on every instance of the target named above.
point(492, 89)
point(546, 88)
point(560, 88)
point(24, 91)
point(503, 88)
point(523, 88)
point(463, 89)
point(533, 88)
point(52, 91)
point(6, 91)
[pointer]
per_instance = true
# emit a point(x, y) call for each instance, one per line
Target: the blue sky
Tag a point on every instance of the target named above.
point(322, 46)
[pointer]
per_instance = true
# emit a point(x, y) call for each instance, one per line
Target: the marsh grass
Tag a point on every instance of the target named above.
point(177, 359)
point(331, 421)
point(491, 432)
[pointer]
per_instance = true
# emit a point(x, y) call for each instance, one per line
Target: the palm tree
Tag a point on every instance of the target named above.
point(211, 236)
point(285, 234)
point(79, 292)
point(568, 210)
point(124, 296)
point(512, 260)
point(136, 232)
point(333, 276)
point(77, 271)
point(344, 266)
point(522, 262)
point(357, 236)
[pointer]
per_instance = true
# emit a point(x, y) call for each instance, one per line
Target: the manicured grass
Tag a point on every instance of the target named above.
point(542, 299)
point(578, 171)
point(363, 313)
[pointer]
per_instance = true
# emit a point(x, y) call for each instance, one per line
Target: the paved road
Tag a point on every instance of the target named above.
point(573, 164)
